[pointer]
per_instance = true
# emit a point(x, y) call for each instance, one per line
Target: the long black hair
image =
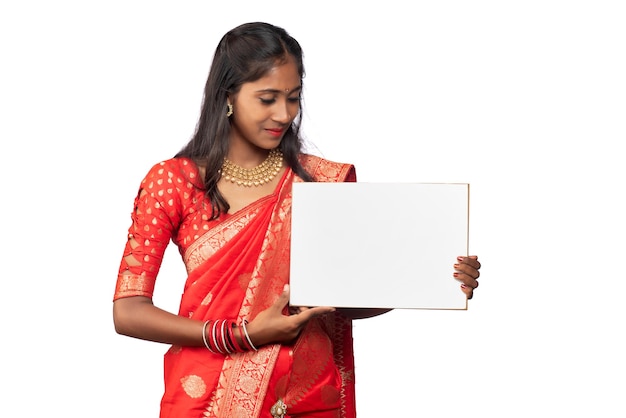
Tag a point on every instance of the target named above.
point(244, 54)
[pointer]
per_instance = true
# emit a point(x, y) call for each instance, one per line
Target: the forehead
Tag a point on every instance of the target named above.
point(283, 76)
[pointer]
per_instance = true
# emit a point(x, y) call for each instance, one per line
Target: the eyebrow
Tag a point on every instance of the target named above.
point(277, 91)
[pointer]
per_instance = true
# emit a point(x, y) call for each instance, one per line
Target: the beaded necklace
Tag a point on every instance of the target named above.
point(256, 176)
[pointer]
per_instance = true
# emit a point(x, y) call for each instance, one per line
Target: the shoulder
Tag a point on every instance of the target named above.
point(324, 170)
point(176, 171)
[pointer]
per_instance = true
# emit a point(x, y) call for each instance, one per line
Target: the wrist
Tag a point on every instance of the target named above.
point(244, 336)
point(223, 336)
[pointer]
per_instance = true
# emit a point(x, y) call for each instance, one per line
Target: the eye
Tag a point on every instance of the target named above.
point(295, 99)
point(267, 101)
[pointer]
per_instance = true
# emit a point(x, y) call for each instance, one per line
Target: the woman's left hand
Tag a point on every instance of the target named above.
point(466, 271)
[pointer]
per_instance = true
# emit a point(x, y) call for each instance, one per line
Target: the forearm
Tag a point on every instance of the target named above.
point(137, 317)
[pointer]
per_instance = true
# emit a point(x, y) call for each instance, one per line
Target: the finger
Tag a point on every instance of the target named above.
point(461, 273)
point(320, 310)
point(308, 313)
point(466, 280)
point(294, 310)
point(471, 261)
point(469, 292)
point(474, 259)
point(283, 299)
point(467, 269)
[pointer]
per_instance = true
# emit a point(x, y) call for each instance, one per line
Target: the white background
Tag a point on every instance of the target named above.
point(524, 100)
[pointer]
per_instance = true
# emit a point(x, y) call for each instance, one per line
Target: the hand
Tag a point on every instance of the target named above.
point(272, 326)
point(466, 271)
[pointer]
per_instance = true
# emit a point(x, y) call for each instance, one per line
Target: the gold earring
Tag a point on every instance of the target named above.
point(230, 110)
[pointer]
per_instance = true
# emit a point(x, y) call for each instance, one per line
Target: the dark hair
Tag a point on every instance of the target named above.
point(244, 54)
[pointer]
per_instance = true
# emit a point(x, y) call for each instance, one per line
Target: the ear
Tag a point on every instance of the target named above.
point(231, 98)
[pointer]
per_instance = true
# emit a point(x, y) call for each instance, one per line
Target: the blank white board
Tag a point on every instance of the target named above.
point(378, 245)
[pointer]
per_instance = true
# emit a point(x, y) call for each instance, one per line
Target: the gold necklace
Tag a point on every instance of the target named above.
point(256, 176)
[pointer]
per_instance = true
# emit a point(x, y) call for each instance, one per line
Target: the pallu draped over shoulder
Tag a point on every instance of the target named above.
point(237, 267)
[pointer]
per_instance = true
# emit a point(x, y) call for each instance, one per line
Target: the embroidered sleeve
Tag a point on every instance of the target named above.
point(155, 217)
point(327, 171)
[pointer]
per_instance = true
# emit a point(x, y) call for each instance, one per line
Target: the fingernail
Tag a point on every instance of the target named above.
point(456, 266)
point(455, 274)
point(460, 258)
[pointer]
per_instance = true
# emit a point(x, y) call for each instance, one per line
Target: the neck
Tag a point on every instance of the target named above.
point(248, 159)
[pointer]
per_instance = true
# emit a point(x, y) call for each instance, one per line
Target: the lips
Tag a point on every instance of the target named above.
point(275, 132)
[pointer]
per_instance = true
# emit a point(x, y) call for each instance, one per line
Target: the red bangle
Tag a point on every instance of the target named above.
point(220, 338)
point(231, 338)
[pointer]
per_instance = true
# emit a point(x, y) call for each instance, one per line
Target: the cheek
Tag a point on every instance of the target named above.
point(247, 119)
point(254, 114)
point(294, 109)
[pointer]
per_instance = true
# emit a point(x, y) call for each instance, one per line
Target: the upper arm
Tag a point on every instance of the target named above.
point(154, 219)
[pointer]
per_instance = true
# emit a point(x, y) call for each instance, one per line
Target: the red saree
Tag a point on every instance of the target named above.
point(237, 266)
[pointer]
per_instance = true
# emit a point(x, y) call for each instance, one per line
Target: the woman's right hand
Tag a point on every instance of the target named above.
point(272, 326)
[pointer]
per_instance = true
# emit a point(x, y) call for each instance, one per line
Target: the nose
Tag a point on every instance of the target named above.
point(281, 112)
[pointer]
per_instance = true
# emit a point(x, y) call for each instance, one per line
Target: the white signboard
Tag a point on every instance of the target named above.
point(378, 245)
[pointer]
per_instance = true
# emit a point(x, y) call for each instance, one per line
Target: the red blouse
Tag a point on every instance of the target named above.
point(172, 197)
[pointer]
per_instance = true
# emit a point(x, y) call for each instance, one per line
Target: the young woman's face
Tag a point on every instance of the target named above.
point(264, 109)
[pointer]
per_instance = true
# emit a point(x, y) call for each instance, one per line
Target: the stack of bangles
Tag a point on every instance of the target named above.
point(220, 337)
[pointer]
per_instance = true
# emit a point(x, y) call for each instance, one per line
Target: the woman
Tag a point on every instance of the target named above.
point(224, 200)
